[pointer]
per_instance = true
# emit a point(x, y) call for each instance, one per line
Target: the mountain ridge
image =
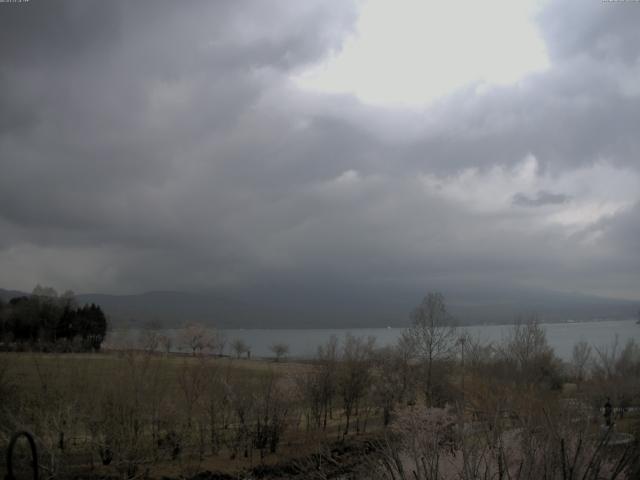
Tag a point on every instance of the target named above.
point(175, 308)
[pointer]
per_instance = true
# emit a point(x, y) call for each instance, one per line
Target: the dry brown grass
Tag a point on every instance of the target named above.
point(67, 392)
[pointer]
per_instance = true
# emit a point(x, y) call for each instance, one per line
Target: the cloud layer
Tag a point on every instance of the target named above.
point(166, 145)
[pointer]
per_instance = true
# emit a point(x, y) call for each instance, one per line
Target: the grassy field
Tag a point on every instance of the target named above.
point(132, 402)
point(34, 370)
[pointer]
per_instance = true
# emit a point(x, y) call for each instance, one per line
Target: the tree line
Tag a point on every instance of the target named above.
point(46, 320)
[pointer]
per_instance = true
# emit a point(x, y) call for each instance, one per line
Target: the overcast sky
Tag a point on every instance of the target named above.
point(228, 144)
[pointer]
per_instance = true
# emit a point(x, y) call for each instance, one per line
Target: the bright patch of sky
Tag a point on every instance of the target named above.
point(411, 52)
point(592, 192)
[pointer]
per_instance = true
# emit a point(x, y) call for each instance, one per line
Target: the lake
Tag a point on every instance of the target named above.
point(304, 343)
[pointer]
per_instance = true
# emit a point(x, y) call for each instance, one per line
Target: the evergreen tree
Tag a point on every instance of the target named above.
point(46, 317)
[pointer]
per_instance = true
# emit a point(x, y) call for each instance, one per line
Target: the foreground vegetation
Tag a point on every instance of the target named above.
point(436, 405)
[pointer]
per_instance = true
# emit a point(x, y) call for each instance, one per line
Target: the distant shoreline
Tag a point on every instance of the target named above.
point(117, 327)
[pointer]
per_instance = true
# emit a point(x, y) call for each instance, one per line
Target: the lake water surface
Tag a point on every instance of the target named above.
point(304, 342)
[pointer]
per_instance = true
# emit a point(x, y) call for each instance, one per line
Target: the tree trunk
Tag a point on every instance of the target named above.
point(430, 362)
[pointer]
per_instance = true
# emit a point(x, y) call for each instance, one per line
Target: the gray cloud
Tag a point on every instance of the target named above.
point(540, 199)
point(162, 145)
point(604, 30)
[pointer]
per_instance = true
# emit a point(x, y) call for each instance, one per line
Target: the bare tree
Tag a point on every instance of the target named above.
point(527, 341)
point(280, 350)
point(197, 338)
point(478, 354)
point(239, 347)
point(529, 355)
point(272, 407)
point(628, 362)
point(418, 446)
point(219, 343)
point(309, 393)
point(216, 406)
point(605, 359)
point(433, 333)
point(240, 391)
point(192, 380)
point(404, 354)
point(149, 336)
point(149, 340)
point(318, 386)
point(119, 423)
point(389, 383)
point(616, 371)
point(165, 342)
point(579, 359)
point(354, 374)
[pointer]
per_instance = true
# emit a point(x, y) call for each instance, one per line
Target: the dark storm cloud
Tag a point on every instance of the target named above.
point(162, 145)
point(573, 115)
point(138, 126)
point(54, 34)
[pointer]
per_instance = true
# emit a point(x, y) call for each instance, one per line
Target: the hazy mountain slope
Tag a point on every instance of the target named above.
point(344, 309)
point(7, 295)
